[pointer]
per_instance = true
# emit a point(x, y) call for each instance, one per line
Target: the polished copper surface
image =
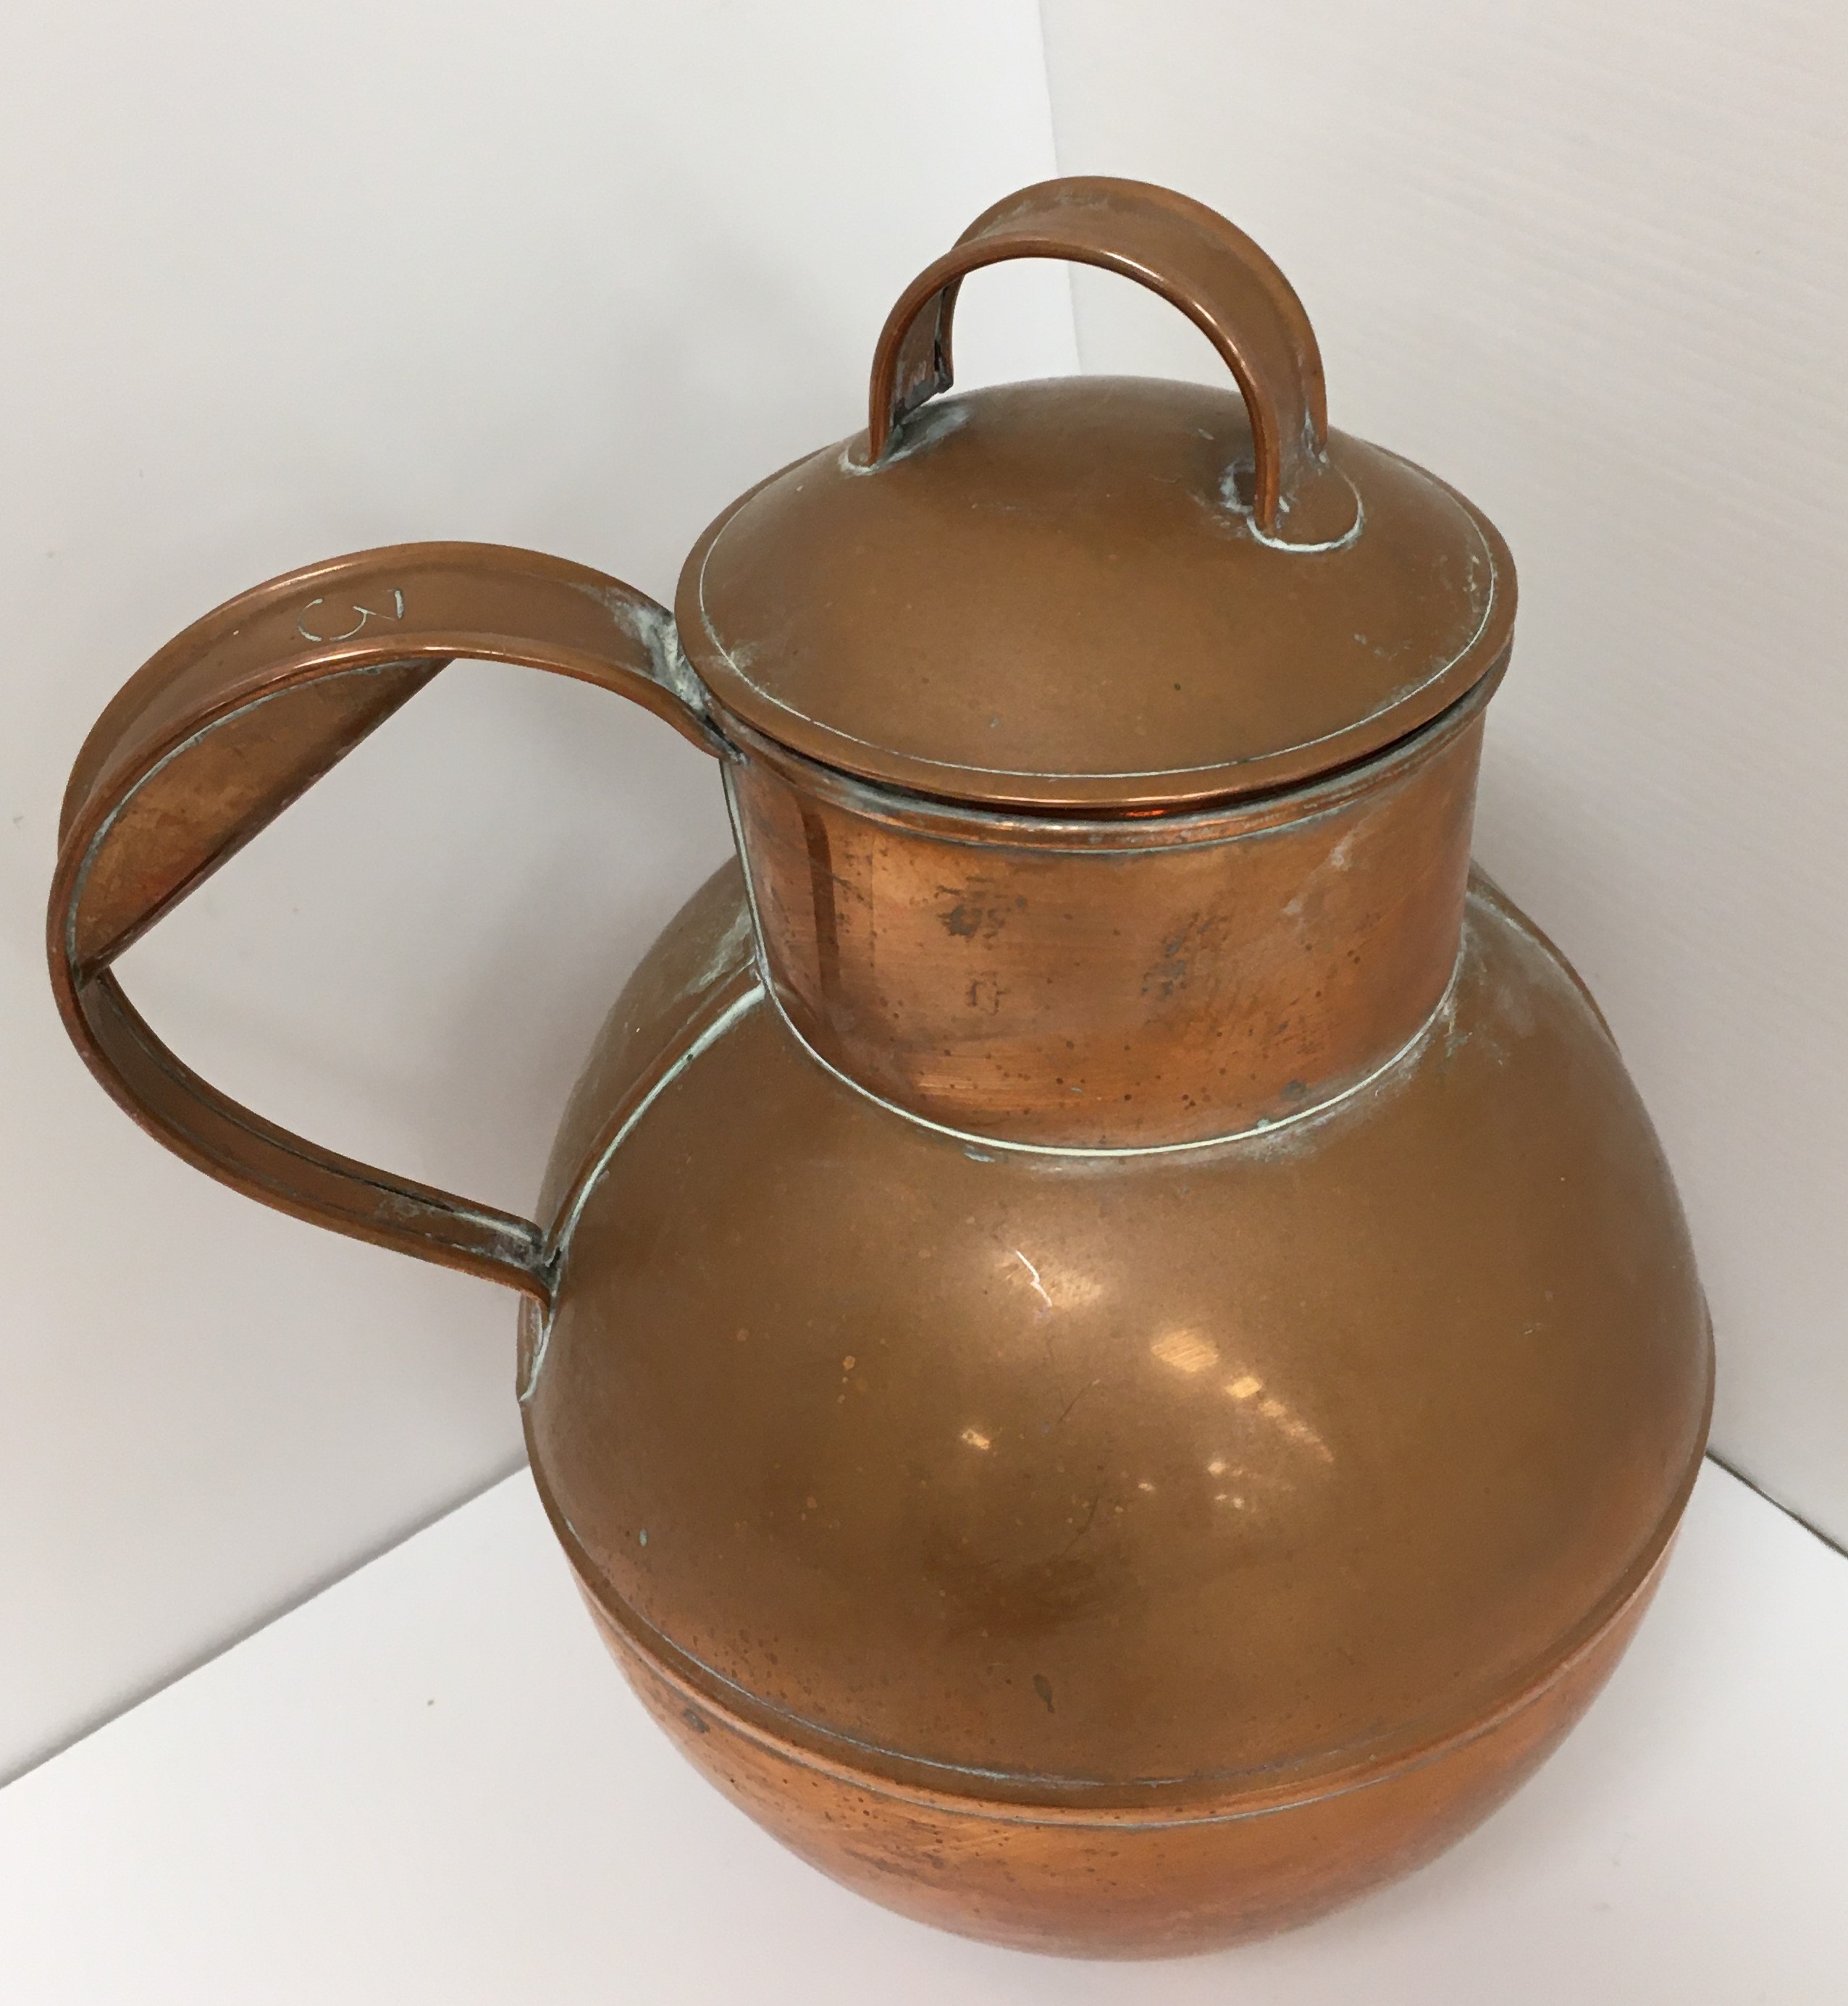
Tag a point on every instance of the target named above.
point(1191, 256)
point(1113, 984)
point(1082, 1884)
point(216, 734)
point(1111, 1346)
point(1143, 1481)
point(1064, 595)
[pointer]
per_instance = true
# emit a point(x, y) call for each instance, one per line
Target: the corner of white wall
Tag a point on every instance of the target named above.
point(1585, 259)
point(286, 282)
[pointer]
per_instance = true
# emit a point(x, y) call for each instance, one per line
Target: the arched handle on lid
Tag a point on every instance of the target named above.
point(1193, 258)
point(218, 734)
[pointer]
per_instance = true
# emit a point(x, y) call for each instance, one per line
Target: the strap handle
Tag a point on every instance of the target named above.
point(1194, 258)
point(226, 726)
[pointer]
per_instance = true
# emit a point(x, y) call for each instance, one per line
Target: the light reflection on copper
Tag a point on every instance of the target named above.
point(1248, 1386)
point(1185, 1351)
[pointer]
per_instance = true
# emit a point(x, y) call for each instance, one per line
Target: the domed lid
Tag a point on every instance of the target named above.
point(1097, 593)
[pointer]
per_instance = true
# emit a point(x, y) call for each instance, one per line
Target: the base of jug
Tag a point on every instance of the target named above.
point(1124, 1884)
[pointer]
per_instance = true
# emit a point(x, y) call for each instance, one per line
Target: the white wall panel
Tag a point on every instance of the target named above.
point(287, 280)
point(284, 282)
point(1586, 258)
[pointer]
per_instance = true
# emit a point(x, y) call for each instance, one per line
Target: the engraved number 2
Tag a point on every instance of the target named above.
point(365, 613)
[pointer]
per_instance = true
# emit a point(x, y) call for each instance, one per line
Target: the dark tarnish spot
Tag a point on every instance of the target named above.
point(692, 1717)
point(1193, 954)
point(1043, 1686)
point(965, 913)
point(1033, 1599)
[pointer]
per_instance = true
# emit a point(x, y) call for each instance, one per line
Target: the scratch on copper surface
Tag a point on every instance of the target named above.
point(1038, 1285)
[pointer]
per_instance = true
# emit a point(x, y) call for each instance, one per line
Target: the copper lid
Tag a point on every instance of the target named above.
point(1098, 592)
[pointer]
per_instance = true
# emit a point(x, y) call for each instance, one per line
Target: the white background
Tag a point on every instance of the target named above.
point(288, 280)
point(282, 281)
point(1587, 258)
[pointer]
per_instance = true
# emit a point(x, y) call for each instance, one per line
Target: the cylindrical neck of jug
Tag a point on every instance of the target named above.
point(1112, 983)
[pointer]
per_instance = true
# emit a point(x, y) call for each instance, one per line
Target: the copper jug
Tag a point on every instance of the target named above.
point(1110, 1344)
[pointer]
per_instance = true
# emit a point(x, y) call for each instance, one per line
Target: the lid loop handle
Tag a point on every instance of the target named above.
point(1193, 258)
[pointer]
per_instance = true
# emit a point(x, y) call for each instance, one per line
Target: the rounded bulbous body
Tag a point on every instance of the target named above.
point(1115, 1553)
point(1108, 1337)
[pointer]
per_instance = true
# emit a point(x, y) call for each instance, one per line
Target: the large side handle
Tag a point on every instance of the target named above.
point(225, 726)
